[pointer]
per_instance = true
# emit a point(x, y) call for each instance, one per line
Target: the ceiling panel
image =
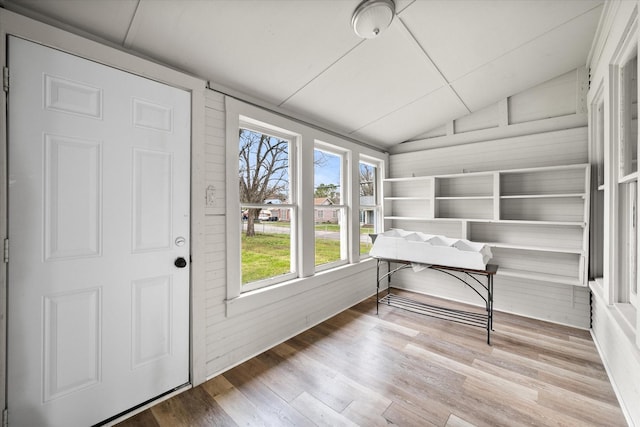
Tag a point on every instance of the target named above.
point(426, 113)
point(461, 36)
point(266, 48)
point(102, 18)
point(538, 61)
point(379, 76)
point(303, 57)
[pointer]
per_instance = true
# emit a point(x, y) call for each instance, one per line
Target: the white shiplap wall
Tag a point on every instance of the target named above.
point(619, 354)
point(563, 147)
point(558, 104)
point(613, 330)
point(231, 339)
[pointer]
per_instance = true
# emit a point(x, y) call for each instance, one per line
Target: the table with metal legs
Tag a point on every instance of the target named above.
point(484, 290)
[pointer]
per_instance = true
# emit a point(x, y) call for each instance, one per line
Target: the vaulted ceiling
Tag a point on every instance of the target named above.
point(439, 60)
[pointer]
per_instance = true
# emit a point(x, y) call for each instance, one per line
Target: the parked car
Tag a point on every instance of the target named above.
point(266, 215)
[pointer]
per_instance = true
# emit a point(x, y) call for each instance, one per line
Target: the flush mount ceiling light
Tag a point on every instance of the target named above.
point(372, 17)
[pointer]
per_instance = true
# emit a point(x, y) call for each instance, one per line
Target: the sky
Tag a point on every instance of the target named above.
point(326, 169)
point(329, 172)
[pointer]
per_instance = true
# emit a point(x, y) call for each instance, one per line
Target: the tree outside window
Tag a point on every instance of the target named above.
point(369, 209)
point(263, 172)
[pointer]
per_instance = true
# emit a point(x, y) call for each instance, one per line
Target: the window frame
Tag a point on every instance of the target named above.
point(263, 129)
point(629, 229)
point(625, 170)
point(626, 202)
point(342, 207)
point(598, 181)
point(617, 184)
point(239, 301)
point(377, 207)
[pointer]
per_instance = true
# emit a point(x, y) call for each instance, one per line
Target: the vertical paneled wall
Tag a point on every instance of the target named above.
point(231, 339)
point(543, 126)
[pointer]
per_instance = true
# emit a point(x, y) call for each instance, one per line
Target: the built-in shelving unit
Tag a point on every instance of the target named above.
point(535, 219)
point(411, 198)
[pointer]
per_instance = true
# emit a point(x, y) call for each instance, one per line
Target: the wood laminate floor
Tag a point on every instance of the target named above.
point(404, 369)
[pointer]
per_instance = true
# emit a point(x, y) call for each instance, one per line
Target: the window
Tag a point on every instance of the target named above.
point(628, 151)
point(596, 223)
point(291, 209)
point(627, 191)
point(329, 207)
point(266, 206)
point(598, 133)
point(628, 202)
point(369, 214)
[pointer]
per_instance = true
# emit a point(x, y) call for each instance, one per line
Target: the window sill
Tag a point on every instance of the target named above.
point(624, 314)
point(258, 298)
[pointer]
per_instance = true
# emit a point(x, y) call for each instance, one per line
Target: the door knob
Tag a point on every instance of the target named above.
point(180, 262)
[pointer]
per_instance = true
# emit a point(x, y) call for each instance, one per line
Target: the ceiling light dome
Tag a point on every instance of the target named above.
point(372, 17)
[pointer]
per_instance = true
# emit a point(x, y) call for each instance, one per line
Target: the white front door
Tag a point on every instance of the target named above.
point(98, 306)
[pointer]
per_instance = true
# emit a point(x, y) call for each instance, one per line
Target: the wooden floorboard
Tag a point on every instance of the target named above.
point(405, 369)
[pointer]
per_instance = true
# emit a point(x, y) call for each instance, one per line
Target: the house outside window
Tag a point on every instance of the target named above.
point(330, 213)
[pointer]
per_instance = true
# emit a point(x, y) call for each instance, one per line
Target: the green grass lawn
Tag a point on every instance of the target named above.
point(268, 255)
point(264, 255)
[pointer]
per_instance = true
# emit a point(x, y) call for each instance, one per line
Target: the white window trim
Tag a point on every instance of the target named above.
point(308, 279)
point(343, 216)
point(610, 286)
point(619, 291)
point(238, 115)
point(622, 113)
point(627, 207)
point(597, 138)
point(378, 227)
point(254, 126)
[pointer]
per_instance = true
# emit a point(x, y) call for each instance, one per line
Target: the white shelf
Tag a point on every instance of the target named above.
point(416, 218)
point(544, 196)
point(545, 168)
point(465, 174)
point(407, 198)
point(408, 218)
point(535, 248)
point(556, 223)
point(408, 178)
point(495, 221)
point(465, 198)
point(510, 221)
point(542, 277)
point(541, 210)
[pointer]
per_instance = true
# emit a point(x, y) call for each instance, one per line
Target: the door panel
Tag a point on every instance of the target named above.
point(151, 314)
point(152, 178)
point(99, 172)
point(72, 197)
point(72, 339)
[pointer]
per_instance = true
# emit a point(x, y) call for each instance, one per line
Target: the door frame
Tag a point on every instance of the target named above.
point(18, 25)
